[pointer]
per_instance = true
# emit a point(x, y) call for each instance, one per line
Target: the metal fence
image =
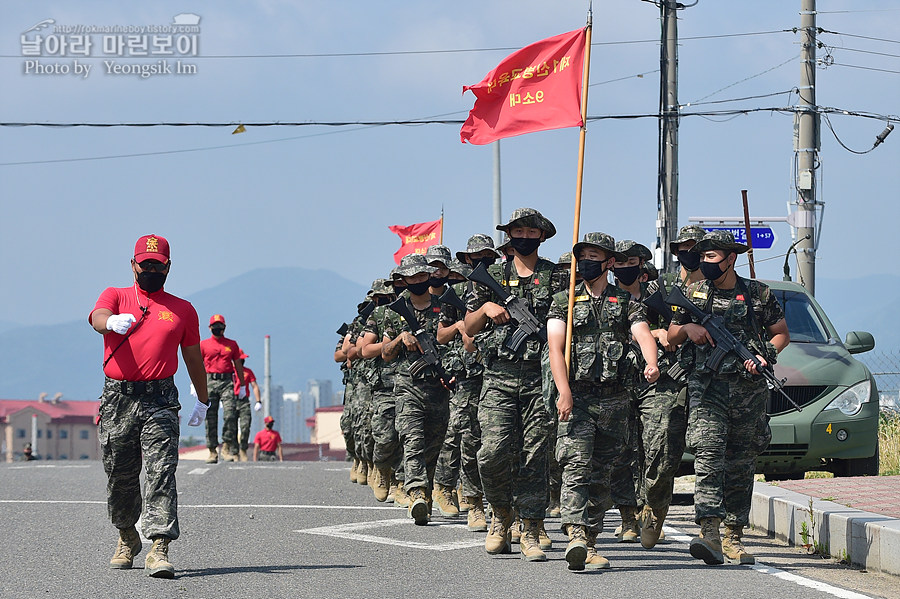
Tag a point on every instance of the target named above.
point(885, 366)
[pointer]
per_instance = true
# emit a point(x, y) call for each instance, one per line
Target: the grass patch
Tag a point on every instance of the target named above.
point(889, 443)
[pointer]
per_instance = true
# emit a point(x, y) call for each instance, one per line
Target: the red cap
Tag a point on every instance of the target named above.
point(151, 247)
point(268, 419)
point(243, 356)
point(216, 318)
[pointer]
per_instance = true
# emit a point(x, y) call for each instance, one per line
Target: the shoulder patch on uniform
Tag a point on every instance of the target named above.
point(614, 300)
point(436, 309)
point(514, 283)
point(537, 281)
point(582, 298)
point(739, 297)
point(700, 294)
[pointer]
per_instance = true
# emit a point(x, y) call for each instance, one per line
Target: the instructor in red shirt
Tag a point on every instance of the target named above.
point(221, 359)
point(267, 442)
point(142, 328)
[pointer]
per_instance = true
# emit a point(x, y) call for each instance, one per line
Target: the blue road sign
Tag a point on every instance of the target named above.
point(763, 237)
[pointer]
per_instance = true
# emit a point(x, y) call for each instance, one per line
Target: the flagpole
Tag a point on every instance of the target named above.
point(578, 184)
point(442, 223)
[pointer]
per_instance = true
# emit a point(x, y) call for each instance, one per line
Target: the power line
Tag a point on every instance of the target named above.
point(863, 37)
point(791, 59)
point(787, 91)
point(856, 66)
point(637, 75)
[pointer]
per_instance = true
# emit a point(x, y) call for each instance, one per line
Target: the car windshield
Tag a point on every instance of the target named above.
point(803, 322)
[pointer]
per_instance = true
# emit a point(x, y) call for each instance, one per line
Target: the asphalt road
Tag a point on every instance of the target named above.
point(301, 529)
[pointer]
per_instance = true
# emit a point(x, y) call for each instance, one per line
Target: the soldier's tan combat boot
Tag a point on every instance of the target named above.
point(381, 488)
point(630, 531)
point(370, 474)
point(544, 538)
point(213, 457)
point(594, 561)
point(443, 497)
point(362, 473)
point(227, 456)
point(498, 537)
point(515, 531)
point(127, 548)
point(401, 497)
point(475, 519)
point(419, 510)
point(577, 549)
point(461, 500)
point(651, 522)
point(530, 542)
point(733, 548)
point(353, 468)
point(157, 562)
point(708, 546)
point(242, 455)
point(553, 510)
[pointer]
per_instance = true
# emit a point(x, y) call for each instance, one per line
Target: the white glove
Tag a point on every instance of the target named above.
point(193, 391)
point(257, 407)
point(243, 393)
point(120, 323)
point(199, 414)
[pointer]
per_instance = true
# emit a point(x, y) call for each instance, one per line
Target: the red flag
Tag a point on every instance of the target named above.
point(416, 238)
point(534, 89)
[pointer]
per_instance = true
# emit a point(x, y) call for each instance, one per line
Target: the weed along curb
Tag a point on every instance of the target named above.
point(871, 541)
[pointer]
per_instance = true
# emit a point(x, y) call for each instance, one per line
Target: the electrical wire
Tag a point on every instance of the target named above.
point(638, 76)
point(791, 59)
point(843, 145)
point(856, 66)
point(862, 37)
point(787, 91)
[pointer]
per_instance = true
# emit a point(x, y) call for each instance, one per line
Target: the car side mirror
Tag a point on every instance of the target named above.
point(858, 342)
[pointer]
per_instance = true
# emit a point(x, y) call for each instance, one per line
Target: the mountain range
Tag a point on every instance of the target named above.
point(300, 309)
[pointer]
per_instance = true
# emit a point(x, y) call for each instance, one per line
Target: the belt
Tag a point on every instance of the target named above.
point(219, 376)
point(264, 452)
point(140, 387)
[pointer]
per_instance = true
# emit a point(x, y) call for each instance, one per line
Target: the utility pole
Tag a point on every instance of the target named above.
point(498, 216)
point(806, 150)
point(667, 198)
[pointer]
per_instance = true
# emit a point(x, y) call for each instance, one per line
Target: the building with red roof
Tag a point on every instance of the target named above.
point(56, 429)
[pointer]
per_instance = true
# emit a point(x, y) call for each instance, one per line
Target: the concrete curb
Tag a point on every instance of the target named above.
point(871, 541)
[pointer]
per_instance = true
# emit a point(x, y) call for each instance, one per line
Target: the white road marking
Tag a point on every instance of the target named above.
point(347, 469)
point(347, 531)
point(199, 471)
point(49, 466)
point(51, 501)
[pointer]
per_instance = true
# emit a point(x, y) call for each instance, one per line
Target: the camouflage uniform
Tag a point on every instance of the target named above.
point(515, 423)
point(367, 377)
point(727, 423)
point(346, 415)
point(387, 451)
point(141, 419)
point(590, 440)
point(422, 409)
point(221, 390)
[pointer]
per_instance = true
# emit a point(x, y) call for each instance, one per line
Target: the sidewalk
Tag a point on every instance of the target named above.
point(852, 518)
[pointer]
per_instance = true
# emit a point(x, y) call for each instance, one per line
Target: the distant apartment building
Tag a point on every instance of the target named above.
point(56, 429)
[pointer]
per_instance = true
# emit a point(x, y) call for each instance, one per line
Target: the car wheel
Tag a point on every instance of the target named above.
point(858, 466)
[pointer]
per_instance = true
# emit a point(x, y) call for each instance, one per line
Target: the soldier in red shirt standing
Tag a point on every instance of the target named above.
point(220, 358)
point(267, 442)
point(242, 400)
point(139, 405)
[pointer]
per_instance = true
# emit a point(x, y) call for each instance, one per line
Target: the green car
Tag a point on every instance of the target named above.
point(837, 431)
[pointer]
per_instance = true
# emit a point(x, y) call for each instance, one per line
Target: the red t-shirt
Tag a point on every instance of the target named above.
point(219, 354)
point(268, 440)
point(249, 377)
point(151, 351)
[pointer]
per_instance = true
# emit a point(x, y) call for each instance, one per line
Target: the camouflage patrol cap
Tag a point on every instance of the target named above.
point(439, 253)
point(503, 249)
point(687, 233)
point(477, 243)
point(529, 217)
point(632, 248)
point(719, 240)
point(565, 258)
point(460, 268)
point(412, 264)
point(382, 287)
point(651, 271)
point(600, 241)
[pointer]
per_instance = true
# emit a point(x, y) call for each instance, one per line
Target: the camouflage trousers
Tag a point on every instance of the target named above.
point(515, 428)
point(727, 429)
point(586, 446)
point(458, 460)
point(137, 422)
point(663, 421)
point(362, 421)
point(551, 394)
point(387, 451)
point(347, 420)
point(625, 478)
point(236, 416)
point(423, 411)
point(220, 391)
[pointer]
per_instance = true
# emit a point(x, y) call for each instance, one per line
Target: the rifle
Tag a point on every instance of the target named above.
point(518, 311)
point(367, 309)
point(343, 329)
point(659, 305)
point(726, 342)
point(430, 356)
point(450, 298)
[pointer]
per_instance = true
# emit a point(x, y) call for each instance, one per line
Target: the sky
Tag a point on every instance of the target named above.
point(74, 200)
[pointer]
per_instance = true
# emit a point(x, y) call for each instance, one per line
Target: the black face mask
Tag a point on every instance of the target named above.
point(218, 331)
point(689, 260)
point(591, 269)
point(711, 270)
point(487, 261)
point(525, 245)
point(398, 287)
point(437, 282)
point(627, 274)
point(418, 288)
point(151, 281)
